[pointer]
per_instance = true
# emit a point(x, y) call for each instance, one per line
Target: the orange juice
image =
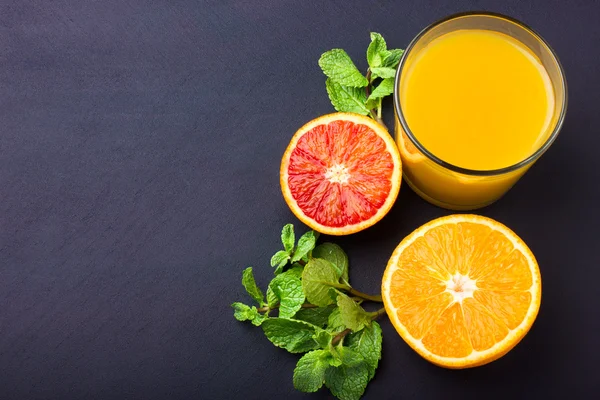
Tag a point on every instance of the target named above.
point(478, 103)
point(478, 99)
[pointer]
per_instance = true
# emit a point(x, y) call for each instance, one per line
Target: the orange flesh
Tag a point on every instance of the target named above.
point(430, 310)
point(344, 165)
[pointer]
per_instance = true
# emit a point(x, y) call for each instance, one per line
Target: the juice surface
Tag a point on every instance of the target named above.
point(477, 99)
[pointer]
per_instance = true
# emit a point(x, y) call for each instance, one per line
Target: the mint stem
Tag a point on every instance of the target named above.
point(368, 87)
point(378, 313)
point(356, 293)
point(369, 297)
point(374, 113)
point(267, 308)
point(337, 338)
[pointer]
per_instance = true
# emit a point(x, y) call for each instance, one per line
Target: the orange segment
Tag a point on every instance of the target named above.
point(511, 274)
point(449, 336)
point(462, 290)
point(472, 237)
point(341, 173)
point(414, 284)
point(510, 307)
point(420, 255)
point(484, 330)
point(486, 258)
point(420, 315)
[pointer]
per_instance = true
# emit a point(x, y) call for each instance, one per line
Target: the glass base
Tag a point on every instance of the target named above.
point(441, 204)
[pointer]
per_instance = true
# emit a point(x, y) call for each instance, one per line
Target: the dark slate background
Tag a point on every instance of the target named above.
point(140, 144)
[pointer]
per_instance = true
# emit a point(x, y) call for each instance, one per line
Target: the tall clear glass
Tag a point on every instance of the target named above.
point(450, 186)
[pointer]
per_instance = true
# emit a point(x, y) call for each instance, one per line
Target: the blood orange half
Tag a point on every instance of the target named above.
point(341, 173)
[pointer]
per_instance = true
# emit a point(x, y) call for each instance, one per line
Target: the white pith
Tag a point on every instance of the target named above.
point(337, 173)
point(461, 287)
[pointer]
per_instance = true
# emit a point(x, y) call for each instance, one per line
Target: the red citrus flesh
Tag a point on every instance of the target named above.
point(342, 173)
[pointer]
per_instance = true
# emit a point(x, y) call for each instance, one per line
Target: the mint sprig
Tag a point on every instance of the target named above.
point(311, 308)
point(349, 90)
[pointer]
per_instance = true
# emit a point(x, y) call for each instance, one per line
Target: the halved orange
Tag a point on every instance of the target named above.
point(462, 290)
point(341, 173)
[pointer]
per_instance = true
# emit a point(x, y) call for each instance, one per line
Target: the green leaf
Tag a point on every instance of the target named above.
point(287, 238)
point(305, 244)
point(353, 315)
point(336, 256)
point(392, 58)
point(368, 344)
point(346, 99)
point(289, 292)
point(385, 88)
point(373, 103)
point(279, 259)
point(309, 374)
point(296, 270)
point(243, 312)
point(258, 319)
point(294, 336)
point(272, 299)
point(316, 316)
point(251, 287)
point(317, 278)
point(338, 66)
point(335, 323)
point(323, 338)
point(384, 72)
point(281, 289)
point(349, 380)
point(376, 50)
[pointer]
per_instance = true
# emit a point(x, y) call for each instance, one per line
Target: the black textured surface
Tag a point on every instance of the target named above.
point(140, 144)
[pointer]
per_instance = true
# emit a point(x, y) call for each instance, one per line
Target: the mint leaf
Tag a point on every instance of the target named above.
point(289, 292)
point(376, 50)
point(338, 66)
point(346, 99)
point(392, 58)
point(287, 238)
point(317, 316)
point(309, 374)
point(322, 337)
point(294, 336)
point(385, 88)
point(272, 299)
point(336, 256)
point(279, 260)
point(373, 103)
point(281, 287)
point(368, 344)
point(296, 270)
point(349, 380)
point(243, 312)
point(353, 315)
point(383, 72)
point(258, 319)
point(335, 323)
point(305, 244)
point(251, 287)
point(317, 278)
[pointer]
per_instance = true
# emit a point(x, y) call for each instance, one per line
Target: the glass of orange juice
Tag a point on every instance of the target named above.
point(479, 97)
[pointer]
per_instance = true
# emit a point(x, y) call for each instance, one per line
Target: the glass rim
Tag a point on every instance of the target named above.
point(467, 171)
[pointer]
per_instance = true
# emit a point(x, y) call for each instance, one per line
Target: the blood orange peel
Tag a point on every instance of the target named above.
point(341, 173)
